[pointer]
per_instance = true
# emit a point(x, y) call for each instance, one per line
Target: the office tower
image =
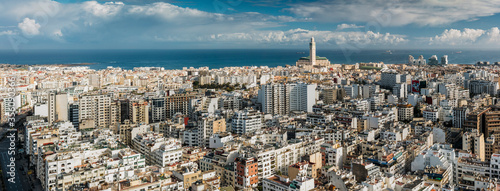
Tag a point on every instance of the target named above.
point(207, 127)
point(302, 96)
point(95, 109)
point(73, 115)
point(459, 116)
point(124, 110)
point(444, 60)
point(246, 121)
point(158, 110)
point(246, 172)
point(389, 79)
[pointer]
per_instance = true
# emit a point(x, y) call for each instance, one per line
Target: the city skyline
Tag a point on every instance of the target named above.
point(360, 24)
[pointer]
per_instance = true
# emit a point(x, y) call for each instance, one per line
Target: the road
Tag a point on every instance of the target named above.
point(20, 182)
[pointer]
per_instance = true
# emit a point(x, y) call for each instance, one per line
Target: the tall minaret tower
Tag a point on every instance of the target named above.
point(312, 52)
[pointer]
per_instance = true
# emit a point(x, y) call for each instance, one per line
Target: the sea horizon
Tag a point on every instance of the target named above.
point(220, 58)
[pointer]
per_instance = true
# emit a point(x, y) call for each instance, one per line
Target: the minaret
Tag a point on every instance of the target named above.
point(312, 52)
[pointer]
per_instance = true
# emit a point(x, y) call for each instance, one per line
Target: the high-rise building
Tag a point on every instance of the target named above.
point(302, 97)
point(139, 111)
point(330, 95)
point(281, 99)
point(274, 99)
point(444, 60)
point(95, 108)
point(484, 120)
point(389, 79)
point(57, 107)
point(115, 115)
point(52, 107)
point(158, 110)
point(433, 60)
point(73, 114)
point(400, 90)
point(178, 103)
point(459, 116)
point(246, 121)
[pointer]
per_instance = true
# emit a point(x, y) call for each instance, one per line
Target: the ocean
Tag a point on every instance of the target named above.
point(217, 58)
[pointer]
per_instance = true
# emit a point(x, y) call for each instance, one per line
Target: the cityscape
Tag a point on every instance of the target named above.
point(175, 96)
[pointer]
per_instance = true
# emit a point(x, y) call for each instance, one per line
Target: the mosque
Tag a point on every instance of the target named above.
point(312, 60)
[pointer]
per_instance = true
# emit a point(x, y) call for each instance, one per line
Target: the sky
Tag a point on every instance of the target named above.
point(249, 24)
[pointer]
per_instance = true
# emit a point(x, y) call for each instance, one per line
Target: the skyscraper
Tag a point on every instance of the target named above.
point(444, 60)
point(281, 99)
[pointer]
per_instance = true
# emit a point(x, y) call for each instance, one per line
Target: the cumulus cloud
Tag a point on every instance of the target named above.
point(493, 35)
point(467, 36)
point(348, 26)
point(396, 12)
point(29, 27)
point(301, 36)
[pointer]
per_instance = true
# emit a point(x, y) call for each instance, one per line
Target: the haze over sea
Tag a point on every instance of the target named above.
point(216, 58)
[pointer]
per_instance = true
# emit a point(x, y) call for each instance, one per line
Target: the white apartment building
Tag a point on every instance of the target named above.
point(246, 121)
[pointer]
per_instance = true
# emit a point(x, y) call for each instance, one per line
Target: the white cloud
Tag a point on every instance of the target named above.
point(102, 10)
point(467, 36)
point(348, 26)
point(300, 36)
point(493, 35)
point(8, 32)
point(396, 12)
point(29, 27)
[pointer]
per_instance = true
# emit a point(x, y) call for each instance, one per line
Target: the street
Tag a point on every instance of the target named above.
point(22, 180)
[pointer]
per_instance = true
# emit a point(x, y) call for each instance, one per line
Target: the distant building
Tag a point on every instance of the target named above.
point(312, 60)
point(444, 60)
point(433, 60)
point(420, 61)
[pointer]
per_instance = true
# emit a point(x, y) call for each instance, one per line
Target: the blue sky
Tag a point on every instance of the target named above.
point(205, 24)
